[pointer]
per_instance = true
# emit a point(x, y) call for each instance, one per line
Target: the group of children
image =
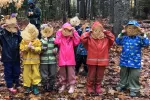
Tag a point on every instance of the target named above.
point(93, 44)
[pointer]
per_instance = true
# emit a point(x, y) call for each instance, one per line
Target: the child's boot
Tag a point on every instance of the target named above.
point(71, 90)
point(98, 89)
point(62, 88)
point(89, 87)
point(12, 90)
point(35, 89)
point(27, 90)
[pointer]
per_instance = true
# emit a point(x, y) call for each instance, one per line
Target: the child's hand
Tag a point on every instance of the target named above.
point(142, 30)
point(29, 45)
point(44, 48)
point(54, 51)
point(31, 13)
point(32, 47)
point(45, 39)
point(101, 36)
point(123, 31)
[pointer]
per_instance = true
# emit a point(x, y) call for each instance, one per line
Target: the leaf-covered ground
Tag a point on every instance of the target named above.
point(110, 80)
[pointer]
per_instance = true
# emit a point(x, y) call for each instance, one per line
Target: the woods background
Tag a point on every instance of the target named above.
point(118, 12)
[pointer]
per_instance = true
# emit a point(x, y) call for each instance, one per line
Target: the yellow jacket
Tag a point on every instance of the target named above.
point(31, 56)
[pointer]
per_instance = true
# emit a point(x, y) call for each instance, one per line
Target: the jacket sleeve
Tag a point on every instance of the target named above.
point(37, 46)
point(76, 38)
point(110, 37)
point(43, 47)
point(84, 39)
point(23, 46)
point(57, 41)
point(145, 41)
point(119, 40)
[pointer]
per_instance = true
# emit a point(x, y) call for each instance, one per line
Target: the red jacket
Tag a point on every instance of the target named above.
point(98, 48)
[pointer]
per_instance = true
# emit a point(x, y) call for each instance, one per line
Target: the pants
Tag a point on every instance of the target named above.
point(31, 75)
point(129, 77)
point(95, 75)
point(67, 75)
point(12, 72)
point(79, 60)
point(48, 72)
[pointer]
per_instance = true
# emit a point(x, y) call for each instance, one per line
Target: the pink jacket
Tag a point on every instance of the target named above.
point(66, 48)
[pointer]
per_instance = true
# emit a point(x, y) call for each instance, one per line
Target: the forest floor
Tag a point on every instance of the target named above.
point(109, 83)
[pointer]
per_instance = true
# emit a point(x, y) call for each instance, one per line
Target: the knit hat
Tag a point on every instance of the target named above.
point(30, 32)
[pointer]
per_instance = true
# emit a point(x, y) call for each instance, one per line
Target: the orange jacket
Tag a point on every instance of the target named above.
point(98, 48)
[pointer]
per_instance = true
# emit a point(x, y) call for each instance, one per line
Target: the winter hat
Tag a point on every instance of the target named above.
point(47, 30)
point(74, 21)
point(30, 32)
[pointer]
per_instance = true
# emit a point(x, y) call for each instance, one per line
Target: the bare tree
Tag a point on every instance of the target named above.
point(121, 14)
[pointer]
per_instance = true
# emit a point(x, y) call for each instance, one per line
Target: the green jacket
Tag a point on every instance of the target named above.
point(47, 55)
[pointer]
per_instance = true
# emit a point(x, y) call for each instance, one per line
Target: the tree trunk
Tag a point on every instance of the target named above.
point(121, 14)
point(111, 11)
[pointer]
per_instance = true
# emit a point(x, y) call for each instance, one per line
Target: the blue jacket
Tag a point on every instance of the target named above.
point(131, 50)
point(10, 46)
point(80, 49)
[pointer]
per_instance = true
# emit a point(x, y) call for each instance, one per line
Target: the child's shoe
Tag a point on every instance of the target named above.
point(62, 89)
point(35, 90)
point(134, 94)
point(71, 90)
point(12, 90)
point(27, 90)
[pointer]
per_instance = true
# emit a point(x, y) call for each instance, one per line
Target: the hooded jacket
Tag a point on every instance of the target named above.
point(10, 45)
point(98, 49)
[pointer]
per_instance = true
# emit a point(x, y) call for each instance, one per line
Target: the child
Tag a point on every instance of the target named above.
point(10, 39)
point(48, 66)
point(31, 47)
point(97, 42)
point(130, 58)
point(67, 38)
point(81, 54)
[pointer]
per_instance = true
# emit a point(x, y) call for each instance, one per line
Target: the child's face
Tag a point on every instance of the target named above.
point(66, 32)
point(97, 30)
point(132, 30)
